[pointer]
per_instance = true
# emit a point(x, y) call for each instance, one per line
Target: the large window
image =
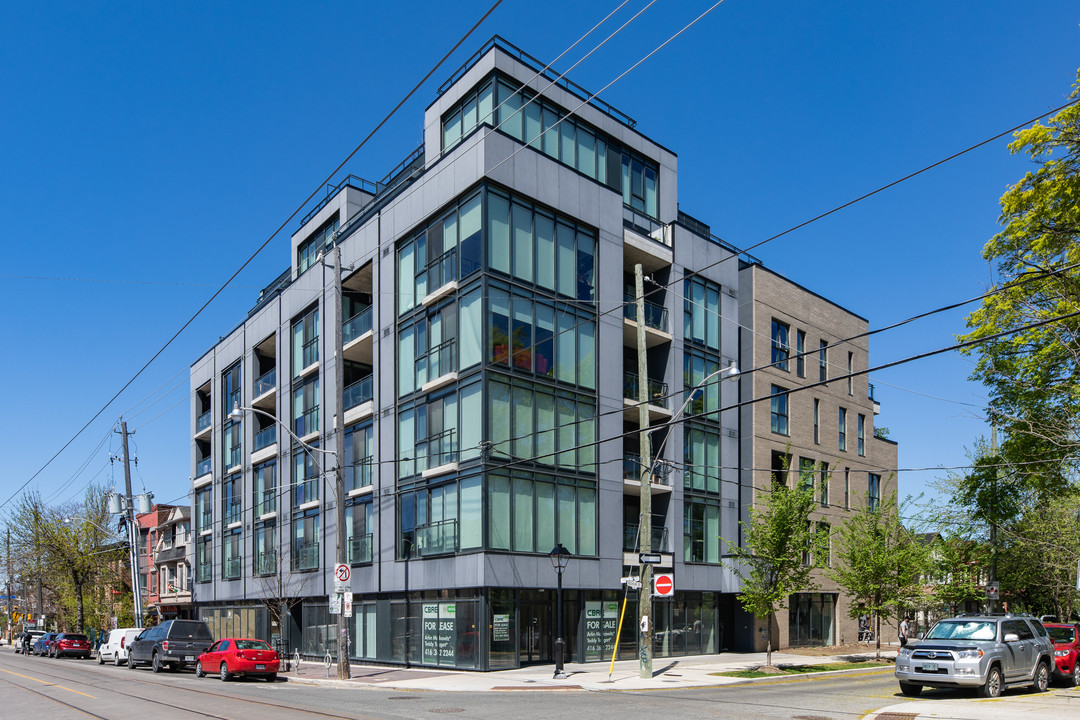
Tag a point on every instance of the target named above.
point(230, 430)
point(698, 365)
point(204, 509)
point(549, 129)
point(305, 405)
point(780, 347)
point(873, 491)
point(305, 540)
point(542, 425)
point(533, 513)
point(701, 312)
point(231, 558)
point(204, 559)
point(359, 526)
point(537, 247)
point(231, 502)
point(264, 490)
point(305, 341)
point(545, 338)
point(445, 251)
point(825, 479)
point(842, 429)
point(779, 410)
point(309, 249)
point(701, 530)
point(440, 519)
point(701, 449)
point(265, 561)
point(806, 474)
point(428, 347)
point(306, 481)
point(861, 434)
point(359, 455)
point(439, 429)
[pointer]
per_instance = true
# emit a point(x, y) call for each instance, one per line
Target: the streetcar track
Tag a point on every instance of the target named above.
point(198, 691)
point(55, 700)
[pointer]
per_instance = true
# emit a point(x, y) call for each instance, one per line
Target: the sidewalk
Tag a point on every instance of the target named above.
point(695, 671)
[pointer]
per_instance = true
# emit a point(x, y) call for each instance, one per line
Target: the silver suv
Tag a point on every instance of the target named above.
point(987, 652)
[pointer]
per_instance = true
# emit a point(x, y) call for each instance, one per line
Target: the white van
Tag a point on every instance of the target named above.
point(115, 646)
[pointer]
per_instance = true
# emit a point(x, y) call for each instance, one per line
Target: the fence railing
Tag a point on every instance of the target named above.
point(306, 557)
point(437, 538)
point(659, 539)
point(266, 382)
point(360, 549)
point(658, 391)
point(356, 326)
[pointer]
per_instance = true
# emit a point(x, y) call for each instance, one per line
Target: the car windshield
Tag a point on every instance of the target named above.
point(963, 630)
point(251, 645)
point(1061, 634)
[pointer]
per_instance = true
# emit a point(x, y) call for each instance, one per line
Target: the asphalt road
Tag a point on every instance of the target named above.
point(42, 689)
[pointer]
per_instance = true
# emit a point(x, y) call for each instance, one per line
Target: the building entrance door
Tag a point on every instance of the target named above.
point(534, 636)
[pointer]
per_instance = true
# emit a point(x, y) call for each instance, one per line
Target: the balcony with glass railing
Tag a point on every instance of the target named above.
point(307, 423)
point(436, 451)
point(265, 389)
point(265, 501)
point(266, 563)
point(359, 549)
point(437, 538)
point(306, 556)
point(632, 471)
point(659, 403)
point(203, 423)
point(359, 474)
point(265, 437)
point(359, 392)
point(203, 571)
point(204, 467)
point(631, 542)
point(232, 567)
point(356, 326)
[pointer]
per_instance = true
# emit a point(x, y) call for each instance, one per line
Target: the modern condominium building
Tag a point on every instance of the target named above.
point(490, 398)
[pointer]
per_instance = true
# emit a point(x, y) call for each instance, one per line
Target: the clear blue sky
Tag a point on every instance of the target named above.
point(148, 148)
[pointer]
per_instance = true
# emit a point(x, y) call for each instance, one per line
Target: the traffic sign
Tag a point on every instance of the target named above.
point(650, 558)
point(663, 585)
point(335, 603)
point(992, 591)
point(347, 597)
point(342, 573)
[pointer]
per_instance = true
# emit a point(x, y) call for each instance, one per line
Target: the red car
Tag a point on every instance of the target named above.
point(238, 657)
point(69, 644)
point(1066, 652)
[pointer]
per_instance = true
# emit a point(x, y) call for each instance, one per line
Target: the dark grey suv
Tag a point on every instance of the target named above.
point(172, 644)
point(986, 652)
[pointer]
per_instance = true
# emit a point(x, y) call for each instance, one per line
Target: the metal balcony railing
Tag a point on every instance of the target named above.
point(203, 572)
point(356, 326)
point(266, 382)
point(436, 450)
point(659, 539)
point(359, 392)
point(307, 423)
point(437, 538)
point(439, 271)
point(232, 456)
point(233, 511)
point(305, 491)
point(266, 437)
point(206, 519)
point(266, 563)
point(309, 354)
point(203, 421)
point(358, 474)
point(632, 470)
point(265, 501)
point(658, 391)
point(360, 549)
point(655, 315)
point(437, 361)
point(306, 557)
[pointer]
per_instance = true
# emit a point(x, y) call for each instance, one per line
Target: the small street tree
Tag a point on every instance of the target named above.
point(780, 552)
point(881, 564)
point(955, 567)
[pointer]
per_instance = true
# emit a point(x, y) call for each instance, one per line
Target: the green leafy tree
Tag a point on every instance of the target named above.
point(1033, 375)
point(956, 564)
point(880, 563)
point(779, 554)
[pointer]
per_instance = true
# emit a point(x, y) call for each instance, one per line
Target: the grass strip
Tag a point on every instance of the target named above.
point(803, 669)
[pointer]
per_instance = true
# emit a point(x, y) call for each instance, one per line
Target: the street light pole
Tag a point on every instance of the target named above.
point(559, 557)
point(133, 532)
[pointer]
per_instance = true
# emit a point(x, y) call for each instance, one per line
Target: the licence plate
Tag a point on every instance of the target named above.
point(189, 658)
point(929, 667)
point(260, 667)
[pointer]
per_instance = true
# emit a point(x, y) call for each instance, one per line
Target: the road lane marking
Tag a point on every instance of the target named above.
point(43, 682)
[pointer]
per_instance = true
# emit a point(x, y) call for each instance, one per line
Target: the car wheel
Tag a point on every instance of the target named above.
point(271, 678)
point(155, 661)
point(992, 687)
point(131, 663)
point(199, 672)
point(1074, 679)
point(226, 676)
point(116, 659)
point(1042, 677)
point(100, 659)
point(910, 690)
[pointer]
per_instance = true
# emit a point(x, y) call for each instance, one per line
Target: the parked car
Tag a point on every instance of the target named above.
point(115, 647)
point(986, 652)
point(27, 640)
point(41, 645)
point(74, 644)
point(173, 644)
point(239, 657)
point(1066, 639)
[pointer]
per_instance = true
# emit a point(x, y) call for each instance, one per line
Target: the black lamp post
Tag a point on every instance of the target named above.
point(559, 557)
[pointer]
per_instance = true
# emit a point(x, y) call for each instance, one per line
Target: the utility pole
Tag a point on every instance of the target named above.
point(133, 531)
point(8, 544)
point(994, 602)
point(339, 452)
point(645, 626)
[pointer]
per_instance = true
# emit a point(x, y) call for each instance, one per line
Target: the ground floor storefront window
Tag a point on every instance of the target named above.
point(811, 619)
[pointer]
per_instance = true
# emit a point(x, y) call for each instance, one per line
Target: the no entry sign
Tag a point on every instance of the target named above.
point(663, 585)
